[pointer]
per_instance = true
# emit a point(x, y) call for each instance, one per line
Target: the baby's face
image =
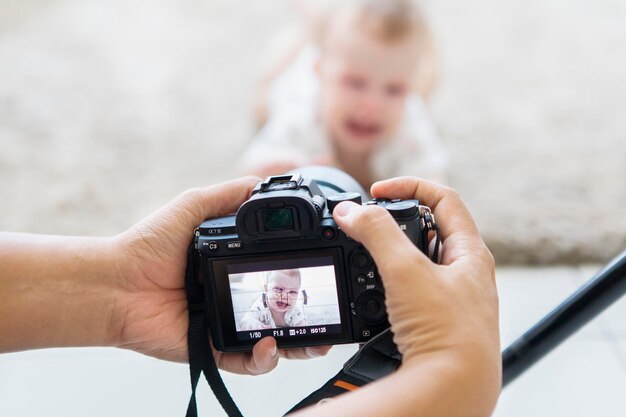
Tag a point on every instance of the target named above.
point(283, 289)
point(364, 85)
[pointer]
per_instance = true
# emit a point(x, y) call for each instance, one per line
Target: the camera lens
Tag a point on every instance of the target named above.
point(331, 180)
point(361, 259)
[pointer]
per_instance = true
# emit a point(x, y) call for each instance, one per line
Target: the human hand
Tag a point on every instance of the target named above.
point(150, 313)
point(447, 311)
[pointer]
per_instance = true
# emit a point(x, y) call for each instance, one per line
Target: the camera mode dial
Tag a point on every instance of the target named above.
point(335, 199)
point(402, 209)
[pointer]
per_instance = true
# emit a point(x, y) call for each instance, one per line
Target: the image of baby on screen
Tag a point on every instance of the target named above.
point(285, 298)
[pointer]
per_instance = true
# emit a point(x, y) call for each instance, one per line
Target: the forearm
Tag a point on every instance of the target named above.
point(435, 386)
point(56, 291)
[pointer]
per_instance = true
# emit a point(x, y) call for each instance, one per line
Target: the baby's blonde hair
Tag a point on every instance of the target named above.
point(291, 273)
point(387, 20)
point(390, 21)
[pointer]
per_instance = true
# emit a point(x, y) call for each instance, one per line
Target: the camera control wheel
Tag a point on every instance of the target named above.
point(333, 200)
point(402, 209)
point(370, 307)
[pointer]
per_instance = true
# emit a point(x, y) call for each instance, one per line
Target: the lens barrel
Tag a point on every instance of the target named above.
point(332, 180)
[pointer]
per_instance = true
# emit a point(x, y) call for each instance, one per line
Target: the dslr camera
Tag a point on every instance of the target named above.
point(282, 267)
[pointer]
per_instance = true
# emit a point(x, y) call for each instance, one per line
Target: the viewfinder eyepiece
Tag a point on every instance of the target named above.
point(278, 218)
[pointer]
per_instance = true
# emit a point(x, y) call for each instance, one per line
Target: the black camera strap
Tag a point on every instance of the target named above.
point(375, 359)
point(201, 358)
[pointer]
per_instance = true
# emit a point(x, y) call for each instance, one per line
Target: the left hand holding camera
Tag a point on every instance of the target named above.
point(126, 291)
point(155, 255)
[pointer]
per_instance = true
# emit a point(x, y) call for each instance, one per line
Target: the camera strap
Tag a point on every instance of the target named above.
point(375, 359)
point(201, 358)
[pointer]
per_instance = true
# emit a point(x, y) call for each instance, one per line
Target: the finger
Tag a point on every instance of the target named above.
point(305, 353)
point(442, 200)
point(199, 204)
point(264, 356)
point(458, 228)
point(374, 227)
point(262, 359)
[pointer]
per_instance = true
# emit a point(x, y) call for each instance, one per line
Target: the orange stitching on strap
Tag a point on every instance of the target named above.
point(345, 385)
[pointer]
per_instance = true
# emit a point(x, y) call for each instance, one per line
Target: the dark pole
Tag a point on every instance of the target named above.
point(606, 287)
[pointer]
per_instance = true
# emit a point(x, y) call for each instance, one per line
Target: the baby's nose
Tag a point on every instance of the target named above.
point(372, 103)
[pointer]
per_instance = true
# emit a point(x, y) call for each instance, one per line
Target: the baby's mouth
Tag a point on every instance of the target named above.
point(363, 130)
point(281, 304)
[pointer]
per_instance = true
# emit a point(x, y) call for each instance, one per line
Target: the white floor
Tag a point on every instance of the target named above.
point(583, 377)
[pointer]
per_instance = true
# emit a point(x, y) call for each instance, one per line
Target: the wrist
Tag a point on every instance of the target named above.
point(469, 377)
point(56, 291)
point(89, 292)
point(110, 289)
point(120, 256)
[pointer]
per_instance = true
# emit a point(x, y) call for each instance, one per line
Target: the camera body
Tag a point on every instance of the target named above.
point(282, 267)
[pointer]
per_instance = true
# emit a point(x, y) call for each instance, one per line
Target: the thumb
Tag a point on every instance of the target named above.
point(374, 227)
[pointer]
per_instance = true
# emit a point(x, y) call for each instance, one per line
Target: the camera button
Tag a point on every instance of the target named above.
point(366, 333)
point(235, 244)
point(370, 307)
point(361, 259)
point(360, 279)
point(329, 233)
point(213, 245)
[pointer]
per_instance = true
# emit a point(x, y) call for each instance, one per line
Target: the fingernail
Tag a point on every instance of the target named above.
point(311, 352)
point(273, 351)
point(345, 208)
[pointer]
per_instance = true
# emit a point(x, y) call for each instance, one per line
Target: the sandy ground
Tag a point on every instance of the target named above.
point(108, 109)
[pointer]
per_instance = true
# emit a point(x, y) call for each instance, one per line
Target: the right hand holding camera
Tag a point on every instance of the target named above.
point(448, 312)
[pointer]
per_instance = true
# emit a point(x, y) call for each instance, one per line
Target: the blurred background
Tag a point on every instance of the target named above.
point(108, 109)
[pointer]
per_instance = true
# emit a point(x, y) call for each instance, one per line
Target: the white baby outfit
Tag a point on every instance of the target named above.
point(293, 133)
point(260, 317)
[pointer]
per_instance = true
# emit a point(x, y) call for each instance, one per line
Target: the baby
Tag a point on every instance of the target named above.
point(276, 307)
point(349, 94)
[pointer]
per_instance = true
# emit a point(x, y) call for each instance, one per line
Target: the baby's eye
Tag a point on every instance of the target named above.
point(395, 90)
point(354, 82)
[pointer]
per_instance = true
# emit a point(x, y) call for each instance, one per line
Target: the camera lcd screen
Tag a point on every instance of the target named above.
point(285, 298)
